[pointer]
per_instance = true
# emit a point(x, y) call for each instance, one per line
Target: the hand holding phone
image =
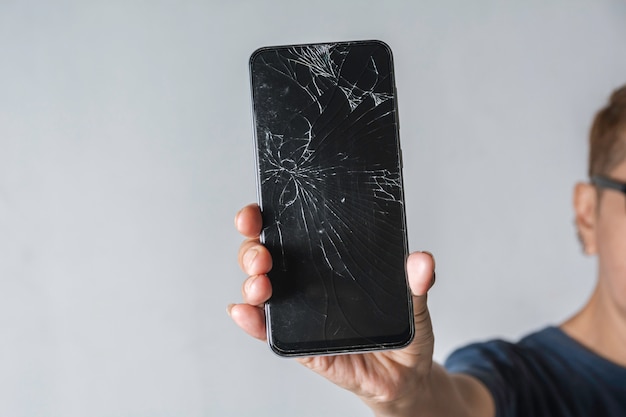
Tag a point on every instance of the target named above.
point(385, 380)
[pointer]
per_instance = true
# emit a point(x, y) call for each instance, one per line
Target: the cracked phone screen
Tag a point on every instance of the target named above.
point(330, 191)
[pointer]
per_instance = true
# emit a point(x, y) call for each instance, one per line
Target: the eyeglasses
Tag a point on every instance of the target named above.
point(609, 183)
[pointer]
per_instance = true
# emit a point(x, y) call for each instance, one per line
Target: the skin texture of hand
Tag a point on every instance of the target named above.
point(392, 383)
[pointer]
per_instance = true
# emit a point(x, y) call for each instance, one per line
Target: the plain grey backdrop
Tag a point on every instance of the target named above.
point(126, 150)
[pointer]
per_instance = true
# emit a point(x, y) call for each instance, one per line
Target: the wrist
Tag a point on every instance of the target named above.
point(412, 400)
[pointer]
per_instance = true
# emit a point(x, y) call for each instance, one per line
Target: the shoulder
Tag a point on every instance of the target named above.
point(497, 361)
point(511, 371)
point(546, 373)
point(501, 353)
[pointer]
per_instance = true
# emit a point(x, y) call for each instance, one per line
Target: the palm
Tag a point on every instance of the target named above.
point(379, 376)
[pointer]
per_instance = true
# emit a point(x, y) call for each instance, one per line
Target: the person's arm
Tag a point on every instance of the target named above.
point(441, 394)
point(398, 383)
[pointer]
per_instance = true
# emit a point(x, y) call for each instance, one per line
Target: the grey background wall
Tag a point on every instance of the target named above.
point(126, 149)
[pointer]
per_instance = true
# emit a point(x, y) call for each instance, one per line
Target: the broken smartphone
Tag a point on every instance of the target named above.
point(331, 197)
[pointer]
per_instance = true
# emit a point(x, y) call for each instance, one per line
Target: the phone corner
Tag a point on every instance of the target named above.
point(254, 55)
point(276, 350)
point(383, 45)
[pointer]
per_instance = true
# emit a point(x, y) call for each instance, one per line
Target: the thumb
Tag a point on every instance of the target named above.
point(420, 267)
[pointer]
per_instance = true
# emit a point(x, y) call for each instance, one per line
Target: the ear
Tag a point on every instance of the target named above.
point(585, 206)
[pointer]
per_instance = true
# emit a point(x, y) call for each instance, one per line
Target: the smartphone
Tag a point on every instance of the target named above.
point(331, 196)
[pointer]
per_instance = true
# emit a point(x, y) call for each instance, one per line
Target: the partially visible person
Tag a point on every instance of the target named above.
point(575, 369)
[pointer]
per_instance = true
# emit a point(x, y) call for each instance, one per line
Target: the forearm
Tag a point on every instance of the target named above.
point(441, 394)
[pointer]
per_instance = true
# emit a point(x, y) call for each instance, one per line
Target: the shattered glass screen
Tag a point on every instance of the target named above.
point(331, 196)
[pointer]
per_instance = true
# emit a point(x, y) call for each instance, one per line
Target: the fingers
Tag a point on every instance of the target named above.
point(250, 318)
point(248, 221)
point(256, 290)
point(254, 258)
point(256, 261)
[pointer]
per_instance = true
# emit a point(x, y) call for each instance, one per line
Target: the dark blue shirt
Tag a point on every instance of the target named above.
point(546, 374)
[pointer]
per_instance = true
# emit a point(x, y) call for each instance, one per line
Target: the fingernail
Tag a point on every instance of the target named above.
point(434, 278)
point(249, 257)
point(229, 308)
